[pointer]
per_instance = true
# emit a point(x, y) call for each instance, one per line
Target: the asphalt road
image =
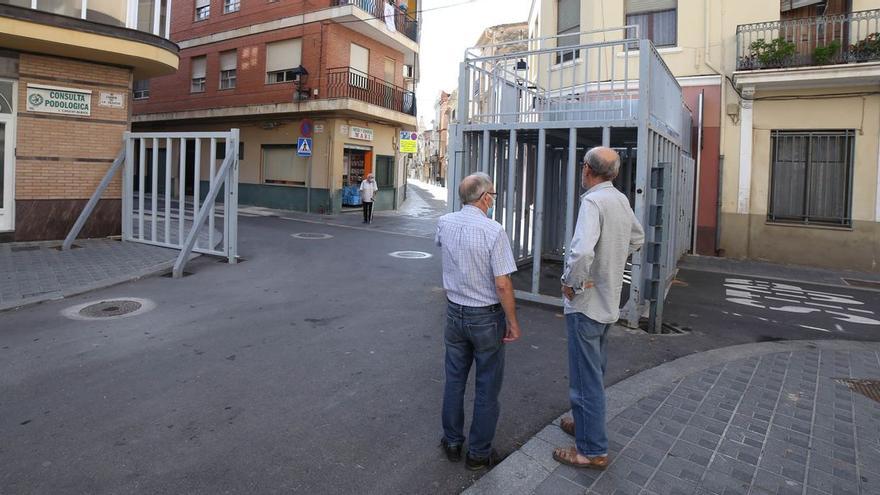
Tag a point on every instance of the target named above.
point(313, 367)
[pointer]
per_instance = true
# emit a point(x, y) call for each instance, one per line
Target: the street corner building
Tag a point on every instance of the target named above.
point(322, 92)
point(66, 74)
point(784, 97)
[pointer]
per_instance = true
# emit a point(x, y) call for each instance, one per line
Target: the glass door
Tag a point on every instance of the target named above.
point(7, 155)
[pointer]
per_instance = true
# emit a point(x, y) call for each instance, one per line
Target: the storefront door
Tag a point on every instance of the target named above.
point(355, 167)
point(7, 155)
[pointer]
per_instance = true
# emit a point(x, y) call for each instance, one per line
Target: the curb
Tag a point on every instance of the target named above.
point(522, 471)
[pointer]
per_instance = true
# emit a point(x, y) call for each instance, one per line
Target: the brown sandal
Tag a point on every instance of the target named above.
point(569, 457)
point(567, 425)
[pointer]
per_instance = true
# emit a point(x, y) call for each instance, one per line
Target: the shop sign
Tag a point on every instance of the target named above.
point(409, 142)
point(361, 133)
point(319, 128)
point(112, 100)
point(51, 99)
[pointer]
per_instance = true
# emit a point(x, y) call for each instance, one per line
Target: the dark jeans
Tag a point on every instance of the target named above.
point(473, 334)
point(587, 359)
point(368, 211)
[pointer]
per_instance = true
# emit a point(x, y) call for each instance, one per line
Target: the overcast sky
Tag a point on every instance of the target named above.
point(446, 32)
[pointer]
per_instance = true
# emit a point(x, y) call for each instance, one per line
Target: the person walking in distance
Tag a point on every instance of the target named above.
point(607, 232)
point(368, 193)
point(480, 318)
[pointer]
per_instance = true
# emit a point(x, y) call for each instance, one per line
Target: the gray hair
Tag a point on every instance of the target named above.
point(604, 162)
point(473, 187)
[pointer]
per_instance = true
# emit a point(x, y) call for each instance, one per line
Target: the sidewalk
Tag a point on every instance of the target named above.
point(32, 272)
point(767, 418)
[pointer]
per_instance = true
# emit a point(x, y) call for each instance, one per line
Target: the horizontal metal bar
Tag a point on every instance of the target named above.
point(210, 252)
point(538, 298)
point(177, 135)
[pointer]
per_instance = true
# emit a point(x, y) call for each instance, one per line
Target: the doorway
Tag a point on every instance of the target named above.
point(7, 155)
point(356, 164)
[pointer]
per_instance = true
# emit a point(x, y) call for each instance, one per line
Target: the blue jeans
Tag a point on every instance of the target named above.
point(587, 359)
point(473, 334)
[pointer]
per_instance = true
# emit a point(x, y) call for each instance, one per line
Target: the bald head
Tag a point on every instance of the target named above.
point(473, 187)
point(603, 162)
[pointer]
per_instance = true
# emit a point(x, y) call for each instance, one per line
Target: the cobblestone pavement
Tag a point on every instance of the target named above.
point(778, 423)
point(38, 271)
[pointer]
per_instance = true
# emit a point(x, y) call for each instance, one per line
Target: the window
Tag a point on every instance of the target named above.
point(811, 177)
point(282, 60)
point(141, 89)
point(228, 62)
point(282, 166)
point(568, 24)
point(657, 20)
point(384, 171)
point(198, 74)
point(230, 6)
point(359, 63)
point(203, 9)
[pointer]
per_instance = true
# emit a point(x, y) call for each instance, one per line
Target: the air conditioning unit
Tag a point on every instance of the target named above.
point(408, 71)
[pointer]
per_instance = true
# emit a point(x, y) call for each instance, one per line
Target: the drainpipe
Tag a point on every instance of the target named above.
point(707, 59)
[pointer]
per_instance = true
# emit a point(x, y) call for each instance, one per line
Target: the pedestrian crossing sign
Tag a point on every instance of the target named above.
point(304, 146)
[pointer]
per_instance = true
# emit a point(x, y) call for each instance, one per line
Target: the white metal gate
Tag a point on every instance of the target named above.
point(171, 186)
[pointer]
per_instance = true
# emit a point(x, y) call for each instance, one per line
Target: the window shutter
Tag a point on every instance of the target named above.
point(283, 55)
point(198, 67)
point(228, 60)
point(796, 4)
point(202, 3)
point(568, 16)
point(640, 6)
point(360, 59)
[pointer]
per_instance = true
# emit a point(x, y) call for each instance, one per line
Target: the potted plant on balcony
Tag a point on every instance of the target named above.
point(824, 55)
point(776, 53)
point(866, 49)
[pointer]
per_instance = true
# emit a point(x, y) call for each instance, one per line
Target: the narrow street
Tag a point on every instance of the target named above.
point(315, 366)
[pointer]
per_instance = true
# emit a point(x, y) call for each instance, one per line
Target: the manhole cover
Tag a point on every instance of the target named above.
point(412, 255)
point(311, 235)
point(868, 388)
point(110, 309)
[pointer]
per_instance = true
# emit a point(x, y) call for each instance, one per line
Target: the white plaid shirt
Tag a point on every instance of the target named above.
point(475, 251)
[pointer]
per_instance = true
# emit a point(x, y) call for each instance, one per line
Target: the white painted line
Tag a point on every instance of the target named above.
point(783, 300)
point(854, 319)
point(861, 311)
point(824, 305)
point(815, 328)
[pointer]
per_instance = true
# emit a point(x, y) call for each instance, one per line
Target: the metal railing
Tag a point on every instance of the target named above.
point(165, 209)
point(345, 82)
point(823, 40)
point(149, 16)
point(387, 13)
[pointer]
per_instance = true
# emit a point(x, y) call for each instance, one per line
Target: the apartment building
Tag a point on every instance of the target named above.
point(66, 71)
point(340, 73)
point(789, 141)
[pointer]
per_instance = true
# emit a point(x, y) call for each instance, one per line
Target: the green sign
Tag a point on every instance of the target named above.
point(51, 99)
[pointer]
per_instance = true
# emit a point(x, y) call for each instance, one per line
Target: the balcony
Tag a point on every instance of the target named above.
point(149, 16)
point(346, 82)
point(391, 15)
point(815, 41)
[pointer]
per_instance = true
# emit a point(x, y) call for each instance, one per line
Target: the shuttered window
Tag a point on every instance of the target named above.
point(787, 5)
point(359, 62)
point(228, 64)
point(282, 166)
point(811, 177)
point(282, 57)
point(198, 74)
point(568, 24)
point(657, 20)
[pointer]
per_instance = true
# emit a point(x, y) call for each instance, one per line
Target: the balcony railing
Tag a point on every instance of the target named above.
point(149, 16)
point(824, 40)
point(345, 82)
point(402, 22)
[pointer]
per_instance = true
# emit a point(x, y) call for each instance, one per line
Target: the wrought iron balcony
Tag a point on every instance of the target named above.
point(388, 13)
point(811, 41)
point(345, 82)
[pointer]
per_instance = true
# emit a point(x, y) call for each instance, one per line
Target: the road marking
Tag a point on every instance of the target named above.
point(366, 229)
point(781, 299)
point(815, 328)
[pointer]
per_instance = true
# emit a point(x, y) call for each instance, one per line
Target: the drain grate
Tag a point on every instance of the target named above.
point(868, 284)
point(868, 388)
point(107, 309)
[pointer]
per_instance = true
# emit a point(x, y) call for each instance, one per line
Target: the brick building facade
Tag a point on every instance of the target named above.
point(275, 70)
point(65, 85)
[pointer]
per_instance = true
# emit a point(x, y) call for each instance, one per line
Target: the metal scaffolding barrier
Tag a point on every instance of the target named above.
point(527, 117)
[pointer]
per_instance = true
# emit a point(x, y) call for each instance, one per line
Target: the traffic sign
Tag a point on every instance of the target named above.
point(305, 128)
point(304, 146)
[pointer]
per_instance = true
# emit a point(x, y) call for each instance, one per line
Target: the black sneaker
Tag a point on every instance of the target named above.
point(489, 461)
point(453, 452)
